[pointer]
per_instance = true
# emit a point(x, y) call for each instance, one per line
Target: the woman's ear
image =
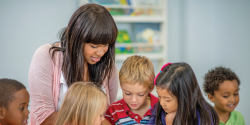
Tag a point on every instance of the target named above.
point(210, 97)
point(2, 112)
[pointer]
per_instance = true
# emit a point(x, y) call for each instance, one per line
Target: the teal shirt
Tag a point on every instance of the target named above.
point(236, 118)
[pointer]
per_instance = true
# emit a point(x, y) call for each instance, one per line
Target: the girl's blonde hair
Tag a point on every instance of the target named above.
point(82, 103)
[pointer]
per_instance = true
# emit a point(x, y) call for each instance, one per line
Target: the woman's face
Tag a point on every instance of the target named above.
point(93, 53)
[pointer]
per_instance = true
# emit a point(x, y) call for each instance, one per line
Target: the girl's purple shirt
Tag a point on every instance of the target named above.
point(153, 118)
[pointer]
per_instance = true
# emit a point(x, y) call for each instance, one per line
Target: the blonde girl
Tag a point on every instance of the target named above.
point(84, 104)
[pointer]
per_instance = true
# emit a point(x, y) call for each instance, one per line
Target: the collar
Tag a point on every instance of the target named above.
point(230, 119)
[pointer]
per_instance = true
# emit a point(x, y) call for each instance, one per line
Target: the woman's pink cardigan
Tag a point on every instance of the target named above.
point(44, 84)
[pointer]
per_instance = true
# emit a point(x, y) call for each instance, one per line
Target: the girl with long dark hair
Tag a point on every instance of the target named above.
point(180, 98)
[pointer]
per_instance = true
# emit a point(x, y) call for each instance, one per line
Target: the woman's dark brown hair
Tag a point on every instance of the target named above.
point(91, 23)
point(179, 79)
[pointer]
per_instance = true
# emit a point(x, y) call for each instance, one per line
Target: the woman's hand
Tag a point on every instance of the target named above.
point(170, 118)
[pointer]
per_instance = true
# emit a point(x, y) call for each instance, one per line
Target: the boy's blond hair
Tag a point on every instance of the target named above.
point(137, 69)
point(82, 103)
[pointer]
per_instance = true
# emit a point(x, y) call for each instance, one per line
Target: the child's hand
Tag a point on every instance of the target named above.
point(170, 118)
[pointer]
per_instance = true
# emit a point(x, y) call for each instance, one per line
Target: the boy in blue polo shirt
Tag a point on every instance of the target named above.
point(222, 87)
point(136, 80)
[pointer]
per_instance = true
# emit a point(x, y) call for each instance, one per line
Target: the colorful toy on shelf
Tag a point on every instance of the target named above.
point(123, 50)
point(149, 36)
point(123, 2)
point(138, 11)
point(135, 8)
point(126, 11)
point(129, 50)
point(115, 11)
point(123, 37)
point(147, 33)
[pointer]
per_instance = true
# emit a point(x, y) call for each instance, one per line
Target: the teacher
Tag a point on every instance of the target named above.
point(86, 52)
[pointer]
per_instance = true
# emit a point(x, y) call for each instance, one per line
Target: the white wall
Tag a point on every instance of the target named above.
point(24, 26)
point(211, 33)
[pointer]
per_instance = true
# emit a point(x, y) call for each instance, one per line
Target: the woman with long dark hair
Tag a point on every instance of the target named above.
point(85, 53)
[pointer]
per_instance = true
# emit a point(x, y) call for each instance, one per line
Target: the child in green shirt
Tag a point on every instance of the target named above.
point(222, 87)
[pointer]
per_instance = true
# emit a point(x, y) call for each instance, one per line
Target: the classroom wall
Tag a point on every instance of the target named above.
point(211, 33)
point(24, 26)
point(204, 34)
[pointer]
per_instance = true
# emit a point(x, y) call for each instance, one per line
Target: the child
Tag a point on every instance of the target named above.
point(14, 102)
point(84, 104)
point(180, 98)
point(222, 87)
point(136, 80)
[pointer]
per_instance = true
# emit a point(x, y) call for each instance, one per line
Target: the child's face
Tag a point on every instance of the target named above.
point(100, 117)
point(226, 98)
point(135, 95)
point(168, 102)
point(17, 112)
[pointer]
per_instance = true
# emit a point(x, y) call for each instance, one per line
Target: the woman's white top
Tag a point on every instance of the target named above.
point(63, 89)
